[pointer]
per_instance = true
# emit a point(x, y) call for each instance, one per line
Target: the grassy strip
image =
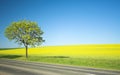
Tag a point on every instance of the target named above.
point(97, 62)
point(81, 61)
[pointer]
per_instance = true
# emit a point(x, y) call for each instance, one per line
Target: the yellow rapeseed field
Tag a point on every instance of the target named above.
point(99, 56)
point(110, 50)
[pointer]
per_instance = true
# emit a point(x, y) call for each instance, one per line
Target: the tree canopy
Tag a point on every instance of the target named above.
point(25, 33)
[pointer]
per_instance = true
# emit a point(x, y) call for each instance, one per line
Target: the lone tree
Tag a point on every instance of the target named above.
point(25, 33)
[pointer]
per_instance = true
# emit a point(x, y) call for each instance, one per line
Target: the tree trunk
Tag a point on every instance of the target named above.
point(26, 51)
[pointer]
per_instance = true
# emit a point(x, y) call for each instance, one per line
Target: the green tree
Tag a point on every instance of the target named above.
point(25, 33)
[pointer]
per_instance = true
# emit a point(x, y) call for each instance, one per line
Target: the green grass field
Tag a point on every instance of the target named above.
point(98, 56)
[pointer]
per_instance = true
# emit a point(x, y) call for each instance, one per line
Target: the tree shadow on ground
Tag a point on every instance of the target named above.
point(10, 56)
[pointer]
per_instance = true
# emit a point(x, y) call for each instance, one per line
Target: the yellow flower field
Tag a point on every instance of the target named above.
point(99, 56)
point(73, 50)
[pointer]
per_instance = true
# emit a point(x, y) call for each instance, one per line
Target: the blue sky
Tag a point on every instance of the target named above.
point(65, 22)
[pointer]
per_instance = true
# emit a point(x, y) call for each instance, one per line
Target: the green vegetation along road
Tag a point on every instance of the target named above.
point(15, 67)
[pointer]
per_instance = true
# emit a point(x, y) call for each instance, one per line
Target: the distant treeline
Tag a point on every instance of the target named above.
point(8, 48)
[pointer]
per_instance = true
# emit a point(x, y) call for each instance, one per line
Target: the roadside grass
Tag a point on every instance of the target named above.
point(96, 62)
point(10, 56)
point(97, 56)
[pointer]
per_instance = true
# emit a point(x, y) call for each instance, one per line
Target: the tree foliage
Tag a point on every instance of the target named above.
point(25, 33)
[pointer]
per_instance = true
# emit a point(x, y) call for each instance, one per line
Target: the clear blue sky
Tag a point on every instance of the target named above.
point(65, 22)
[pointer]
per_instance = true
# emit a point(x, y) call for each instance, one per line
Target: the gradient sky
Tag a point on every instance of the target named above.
point(65, 22)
